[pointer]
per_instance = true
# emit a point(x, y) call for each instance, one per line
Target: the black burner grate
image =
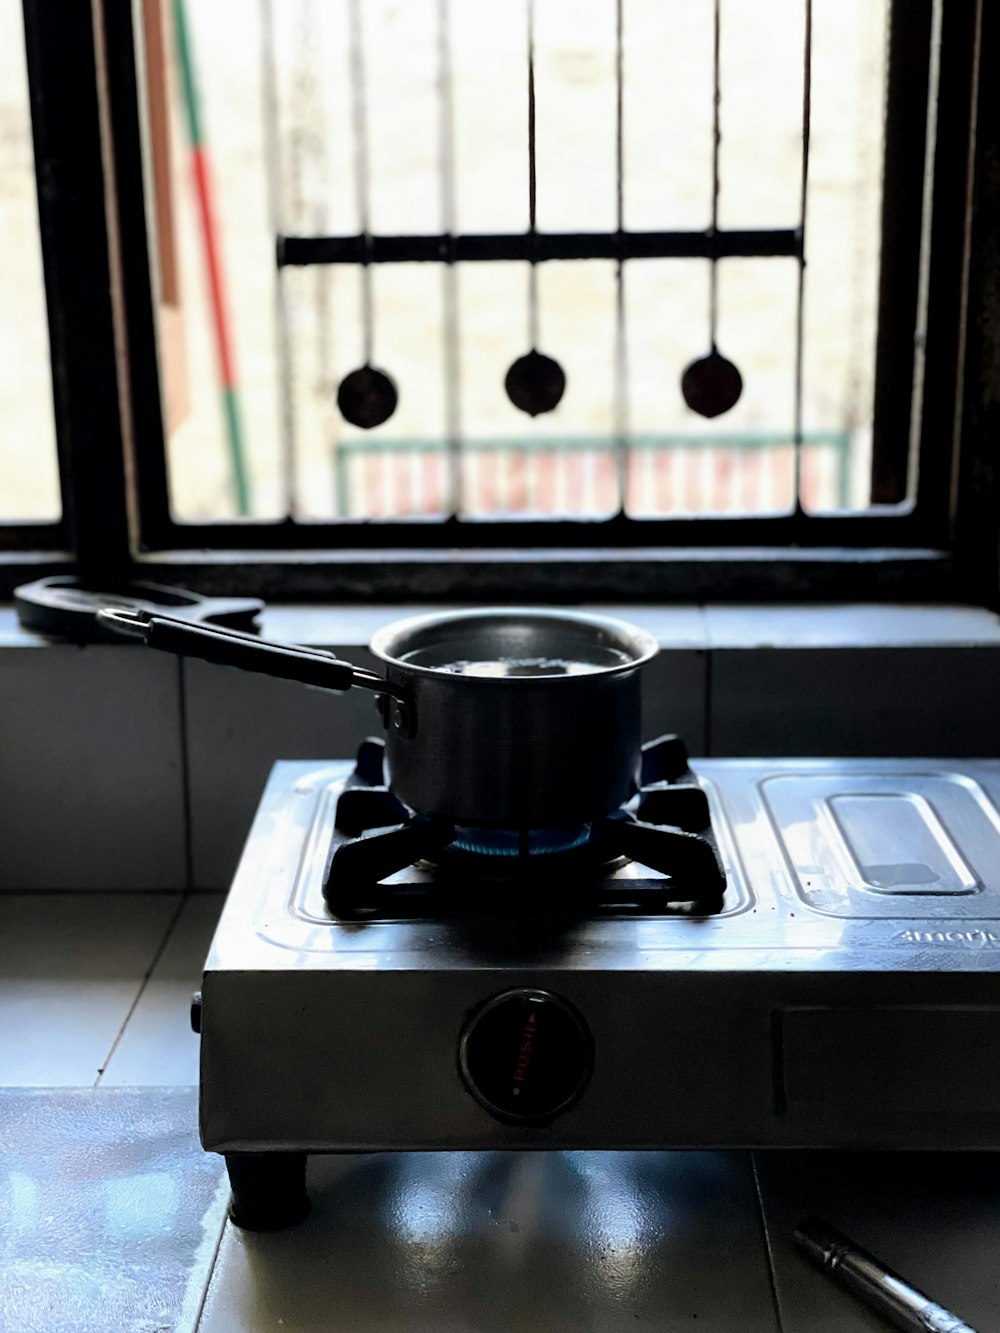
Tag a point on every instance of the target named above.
point(666, 828)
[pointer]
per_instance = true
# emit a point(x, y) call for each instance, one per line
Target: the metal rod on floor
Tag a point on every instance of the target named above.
point(878, 1287)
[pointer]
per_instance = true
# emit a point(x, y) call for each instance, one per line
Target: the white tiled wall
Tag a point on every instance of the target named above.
point(91, 771)
point(102, 787)
point(942, 700)
point(237, 726)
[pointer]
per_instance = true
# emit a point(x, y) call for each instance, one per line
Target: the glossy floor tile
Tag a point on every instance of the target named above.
point(157, 1047)
point(110, 1211)
point(507, 1243)
point(71, 968)
point(932, 1217)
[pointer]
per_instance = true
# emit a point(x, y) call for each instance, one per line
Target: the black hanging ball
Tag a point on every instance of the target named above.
point(535, 383)
point(367, 397)
point(711, 385)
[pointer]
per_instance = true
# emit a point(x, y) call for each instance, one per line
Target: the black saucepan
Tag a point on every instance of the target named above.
point(513, 718)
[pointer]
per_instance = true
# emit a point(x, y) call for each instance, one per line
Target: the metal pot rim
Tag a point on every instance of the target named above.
point(387, 641)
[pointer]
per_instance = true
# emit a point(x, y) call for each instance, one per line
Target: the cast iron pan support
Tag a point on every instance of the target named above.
point(386, 837)
point(353, 885)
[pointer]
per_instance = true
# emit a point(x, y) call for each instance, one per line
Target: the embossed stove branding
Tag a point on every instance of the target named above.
point(972, 938)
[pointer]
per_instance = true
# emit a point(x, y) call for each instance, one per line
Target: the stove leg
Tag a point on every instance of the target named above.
point(269, 1189)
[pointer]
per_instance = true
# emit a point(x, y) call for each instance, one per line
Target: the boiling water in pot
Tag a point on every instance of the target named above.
point(510, 665)
point(521, 666)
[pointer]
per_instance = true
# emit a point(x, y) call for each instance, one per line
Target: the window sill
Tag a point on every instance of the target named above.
point(547, 574)
point(707, 626)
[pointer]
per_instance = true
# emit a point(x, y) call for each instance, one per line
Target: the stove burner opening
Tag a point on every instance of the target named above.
point(520, 842)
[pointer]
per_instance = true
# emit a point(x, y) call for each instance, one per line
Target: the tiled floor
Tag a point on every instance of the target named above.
point(508, 1243)
point(96, 987)
point(95, 991)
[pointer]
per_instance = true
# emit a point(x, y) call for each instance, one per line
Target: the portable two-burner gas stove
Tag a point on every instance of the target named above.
point(759, 953)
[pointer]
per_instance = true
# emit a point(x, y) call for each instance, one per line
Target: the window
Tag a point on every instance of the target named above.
point(409, 122)
point(305, 188)
point(30, 491)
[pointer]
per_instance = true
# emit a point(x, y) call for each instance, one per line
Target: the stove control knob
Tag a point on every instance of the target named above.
point(526, 1055)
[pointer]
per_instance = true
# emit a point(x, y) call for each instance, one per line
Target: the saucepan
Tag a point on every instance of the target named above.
point(512, 717)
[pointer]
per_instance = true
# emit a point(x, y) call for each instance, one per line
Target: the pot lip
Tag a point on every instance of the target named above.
point(645, 646)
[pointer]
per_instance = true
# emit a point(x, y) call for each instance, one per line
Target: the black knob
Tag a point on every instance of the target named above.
point(535, 383)
point(367, 397)
point(711, 385)
point(526, 1055)
point(196, 1011)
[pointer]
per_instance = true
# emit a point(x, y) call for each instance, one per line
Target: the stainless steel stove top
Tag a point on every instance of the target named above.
point(847, 994)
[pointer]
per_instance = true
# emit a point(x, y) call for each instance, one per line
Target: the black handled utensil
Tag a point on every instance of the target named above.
point(66, 605)
point(223, 647)
point(526, 744)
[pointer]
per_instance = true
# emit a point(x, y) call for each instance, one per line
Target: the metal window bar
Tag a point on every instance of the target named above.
point(449, 274)
point(62, 63)
point(621, 413)
point(533, 331)
point(800, 299)
point(518, 247)
point(362, 182)
point(713, 227)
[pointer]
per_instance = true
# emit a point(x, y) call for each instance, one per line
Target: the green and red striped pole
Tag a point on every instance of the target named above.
point(213, 260)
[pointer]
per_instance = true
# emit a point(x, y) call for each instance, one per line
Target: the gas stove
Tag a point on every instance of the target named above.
point(832, 981)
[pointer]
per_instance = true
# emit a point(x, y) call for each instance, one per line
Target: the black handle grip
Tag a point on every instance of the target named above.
point(321, 670)
point(227, 647)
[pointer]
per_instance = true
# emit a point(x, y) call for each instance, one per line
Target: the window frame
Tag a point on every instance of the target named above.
point(76, 262)
point(128, 530)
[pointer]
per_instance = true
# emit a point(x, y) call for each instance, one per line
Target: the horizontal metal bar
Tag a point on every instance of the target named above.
point(384, 537)
point(560, 575)
point(298, 251)
point(21, 535)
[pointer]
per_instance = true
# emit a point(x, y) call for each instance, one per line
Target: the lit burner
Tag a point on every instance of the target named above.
point(519, 842)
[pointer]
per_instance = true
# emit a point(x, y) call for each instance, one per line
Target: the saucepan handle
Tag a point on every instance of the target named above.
point(226, 647)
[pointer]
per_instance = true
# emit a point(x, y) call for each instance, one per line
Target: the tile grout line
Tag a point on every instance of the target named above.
point(709, 737)
point(706, 650)
point(771, 1280)
point(223, 1186)
point(185, 774)
point(154, 961)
